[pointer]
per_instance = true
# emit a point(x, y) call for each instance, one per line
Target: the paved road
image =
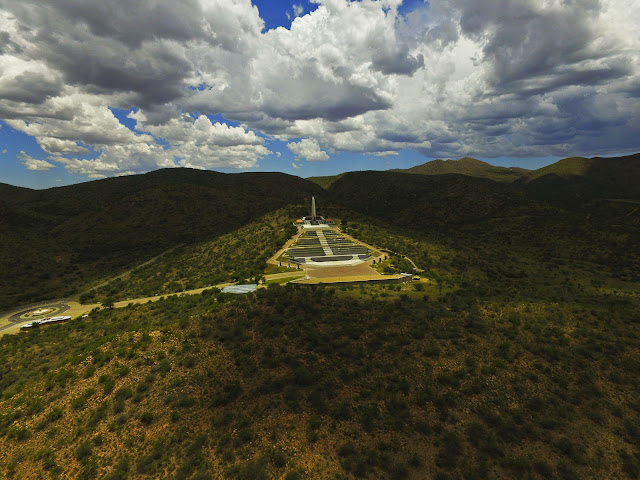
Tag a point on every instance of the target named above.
point(11, 322)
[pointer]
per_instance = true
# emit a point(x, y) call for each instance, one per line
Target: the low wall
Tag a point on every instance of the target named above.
point(403, 279)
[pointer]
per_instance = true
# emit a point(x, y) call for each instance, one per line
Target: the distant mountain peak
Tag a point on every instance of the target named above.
point(467, 166)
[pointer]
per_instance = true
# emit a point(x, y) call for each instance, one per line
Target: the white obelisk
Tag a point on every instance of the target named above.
point(313, 208)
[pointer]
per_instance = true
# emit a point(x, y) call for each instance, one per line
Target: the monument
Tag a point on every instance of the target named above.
point(314, 219)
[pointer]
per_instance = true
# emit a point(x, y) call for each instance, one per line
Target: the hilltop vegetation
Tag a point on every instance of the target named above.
point(518, 358)
point(496, 237)
point(380, 382)
point(575, 177)
point(327, 181)
point(467, 166)
point(58, 240)
point(235, 256)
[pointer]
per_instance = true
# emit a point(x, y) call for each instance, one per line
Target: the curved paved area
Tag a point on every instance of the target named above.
point(354, 261)
point(61, 308)
point(11, 321)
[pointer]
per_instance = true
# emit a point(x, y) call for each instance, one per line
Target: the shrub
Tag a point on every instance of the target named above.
point(277, 458)
point(108, 382)
point(147, 418)
point(16, 432)
point(543, 469)
point(293, 475)
point(84, 450)
point(450, 451)
point(122, 370)
point(48, 458)
point(341, 411)
point(123, 393)
point(54, 414)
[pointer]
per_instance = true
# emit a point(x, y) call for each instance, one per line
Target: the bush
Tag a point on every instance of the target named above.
point(16, 432)
point(543, 469)
point(341, 411)
point(108, 382)
point(277, 458)
point(122, 370)
point(450, 451)
point(123, 393)
point(147, 418)
point(84, 450)
point(54, 414)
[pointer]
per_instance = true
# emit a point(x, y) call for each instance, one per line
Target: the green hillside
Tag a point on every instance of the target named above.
point(568, 178)
point(575, 166)
point(492, 229)
point(329, 383)
point(325, 182)
point(515, 356)
point(58, 240)
point(467, 166)
point(404, 198)
point(234, 256)
point(584, 178)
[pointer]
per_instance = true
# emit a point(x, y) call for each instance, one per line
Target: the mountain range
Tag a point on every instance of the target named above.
point(513, 353)
point(59, 239)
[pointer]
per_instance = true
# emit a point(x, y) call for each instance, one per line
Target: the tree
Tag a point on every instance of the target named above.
point(108, 303)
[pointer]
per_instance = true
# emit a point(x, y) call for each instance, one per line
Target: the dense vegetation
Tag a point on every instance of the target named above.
point(468, 166)
point(60, 240)
point(519, 357)
point(376, 382)
point(598, 177)
point(236, 256)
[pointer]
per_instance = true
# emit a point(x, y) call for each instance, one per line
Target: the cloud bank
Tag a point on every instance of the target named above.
point(486, 78)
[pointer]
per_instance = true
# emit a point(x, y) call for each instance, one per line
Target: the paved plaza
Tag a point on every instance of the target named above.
point(326, 247)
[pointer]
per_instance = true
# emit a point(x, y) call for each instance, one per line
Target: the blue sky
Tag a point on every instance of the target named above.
point(15, 173)
point(341, 86)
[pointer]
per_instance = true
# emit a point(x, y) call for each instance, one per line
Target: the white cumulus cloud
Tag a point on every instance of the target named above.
point(450, 78)
point(34, 164)
point(309, 150)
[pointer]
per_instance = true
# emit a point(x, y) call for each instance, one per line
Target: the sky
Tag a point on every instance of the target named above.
point(92, 88)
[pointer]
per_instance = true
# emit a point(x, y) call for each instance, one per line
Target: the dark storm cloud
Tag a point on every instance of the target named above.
point(349, 102)
point(398, 62)
point(30, 87)
point(7, 46)
point(101, 45)
point(559, 78)
point(307, 96)
point(128, 21)
point(402, 137)
point(550, 48)
point(154, 73)
point(451, 78)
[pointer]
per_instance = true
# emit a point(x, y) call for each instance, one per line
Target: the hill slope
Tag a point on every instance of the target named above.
point(467, 166)
point(403, 198)
point(336, 383)
point(517, 357)
point(326, 182)
point(577, 179)
point(61, 238)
